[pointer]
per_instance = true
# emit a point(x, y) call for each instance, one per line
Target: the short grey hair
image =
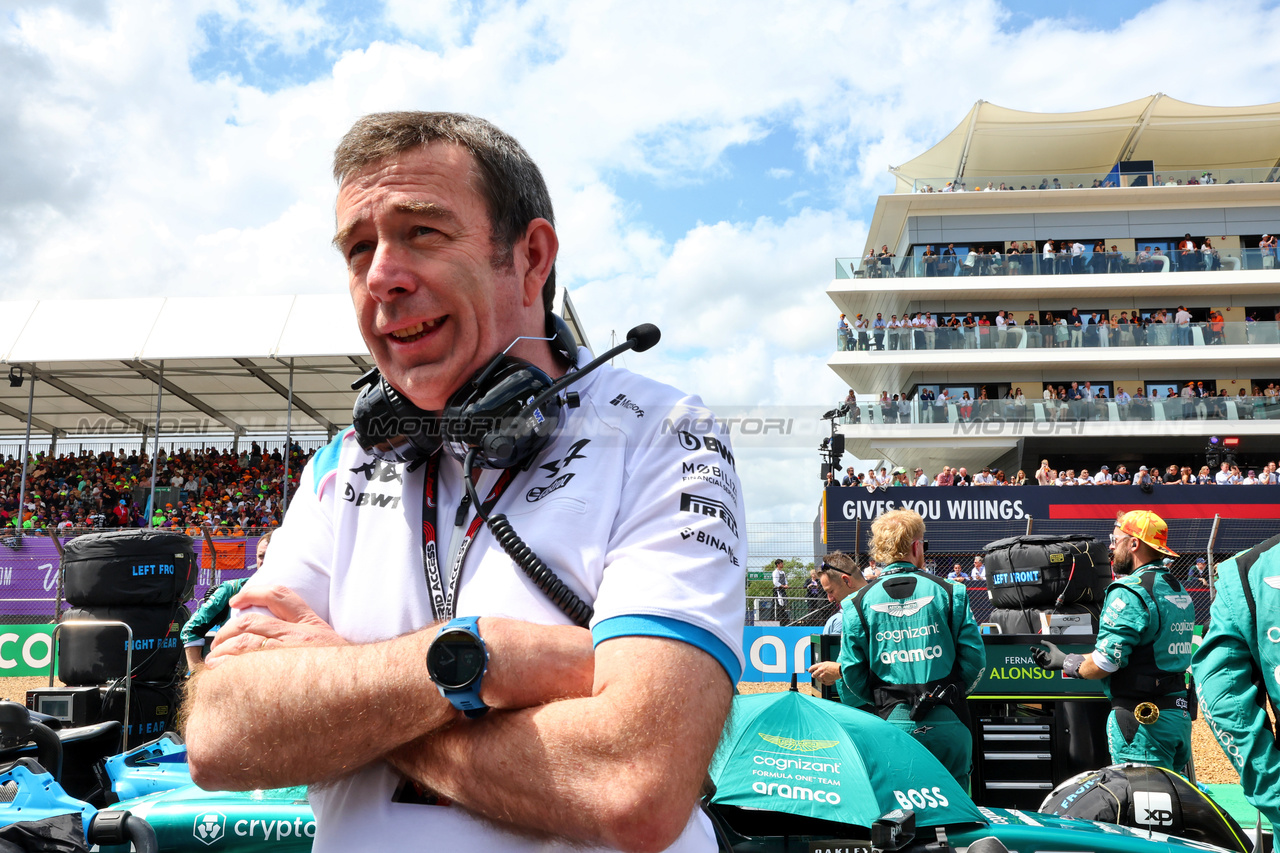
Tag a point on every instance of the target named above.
point(510, 182)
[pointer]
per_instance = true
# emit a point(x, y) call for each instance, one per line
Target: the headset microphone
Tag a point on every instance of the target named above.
point(645, 336)
point(506, 441)
point(507, 412)
point(502, 417)
point(640, 338)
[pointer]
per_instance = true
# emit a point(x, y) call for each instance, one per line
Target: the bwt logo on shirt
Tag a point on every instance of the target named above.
point(691, 442)
point(373, 499)
point(709, 506)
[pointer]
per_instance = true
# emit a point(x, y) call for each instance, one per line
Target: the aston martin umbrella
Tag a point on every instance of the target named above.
point(797, 754)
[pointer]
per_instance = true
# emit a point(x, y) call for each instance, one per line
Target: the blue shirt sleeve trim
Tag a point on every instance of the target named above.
point(325, 461)
point(672, 629)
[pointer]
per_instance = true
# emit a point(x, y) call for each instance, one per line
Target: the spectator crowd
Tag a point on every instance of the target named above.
point(1068, 402)
point(1158, 327)
point(1071, 257)
point(1228, 474)
point(1204, 178)
point(232, 492)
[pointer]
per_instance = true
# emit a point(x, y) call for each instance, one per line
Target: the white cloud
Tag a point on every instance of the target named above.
point(128, 174)
point(436, 22)
point(291, 27)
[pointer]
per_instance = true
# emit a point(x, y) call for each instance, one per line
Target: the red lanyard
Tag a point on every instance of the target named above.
point(442, 600)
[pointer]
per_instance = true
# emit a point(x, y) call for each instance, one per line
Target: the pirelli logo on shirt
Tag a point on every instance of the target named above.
point(700, 505)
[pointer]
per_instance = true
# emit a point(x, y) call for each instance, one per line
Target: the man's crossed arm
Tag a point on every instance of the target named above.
point(601, 746)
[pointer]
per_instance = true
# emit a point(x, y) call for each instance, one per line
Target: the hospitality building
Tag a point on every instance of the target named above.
point(1118, 192)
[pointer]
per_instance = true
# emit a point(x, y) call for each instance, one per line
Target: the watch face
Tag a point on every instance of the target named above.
point(455, 660)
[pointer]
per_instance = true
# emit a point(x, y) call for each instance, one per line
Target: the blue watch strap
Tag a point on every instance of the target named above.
point(470, 624)
point(467, 699)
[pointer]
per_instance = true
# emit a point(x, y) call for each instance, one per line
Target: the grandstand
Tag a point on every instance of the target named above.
point(1169, 175)
point(149, 392)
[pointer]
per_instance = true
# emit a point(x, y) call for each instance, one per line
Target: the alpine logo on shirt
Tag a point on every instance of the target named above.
point(699, 505)
point(555, 467)
point(910, 607)
point(375, 470)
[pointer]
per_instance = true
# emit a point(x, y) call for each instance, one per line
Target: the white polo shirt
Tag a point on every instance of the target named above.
point(636, 506)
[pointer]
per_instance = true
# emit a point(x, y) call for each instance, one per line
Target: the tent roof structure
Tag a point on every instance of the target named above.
point(228, 364)
point(994, 141)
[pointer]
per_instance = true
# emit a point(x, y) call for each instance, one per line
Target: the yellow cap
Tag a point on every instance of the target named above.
point(1144, 525)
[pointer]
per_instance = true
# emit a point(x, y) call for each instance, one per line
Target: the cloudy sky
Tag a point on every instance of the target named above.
point(708, 160)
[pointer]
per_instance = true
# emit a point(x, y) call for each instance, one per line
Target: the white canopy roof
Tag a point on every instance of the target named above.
point(994, 141)
point(226, 363)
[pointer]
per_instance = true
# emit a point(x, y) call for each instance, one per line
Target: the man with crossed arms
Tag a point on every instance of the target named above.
point(596, 738)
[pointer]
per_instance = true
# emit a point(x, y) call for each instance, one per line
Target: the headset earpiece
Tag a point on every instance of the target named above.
point(390, 427)
point(489, 413)
point(563, 343)
point(493, 416)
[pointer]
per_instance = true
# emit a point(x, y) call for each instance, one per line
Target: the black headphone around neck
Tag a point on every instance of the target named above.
point(502, 417)
point(484, 414)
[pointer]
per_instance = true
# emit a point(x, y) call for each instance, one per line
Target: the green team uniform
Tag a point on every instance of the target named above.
point(1237, 670)
point(835, 625)
point(1144, 641)
point(215, 610)
point(907, 633)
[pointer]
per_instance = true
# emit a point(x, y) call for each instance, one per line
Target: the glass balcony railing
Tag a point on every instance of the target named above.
point(1097, 180)
point(1059, 263)
point(1149, 333)
point(992, 412)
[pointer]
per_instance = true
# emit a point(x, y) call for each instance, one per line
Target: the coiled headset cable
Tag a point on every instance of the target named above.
point(530, 563)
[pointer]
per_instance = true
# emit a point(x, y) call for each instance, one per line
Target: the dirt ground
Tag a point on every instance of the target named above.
point(1211, 764)
point(15, 689)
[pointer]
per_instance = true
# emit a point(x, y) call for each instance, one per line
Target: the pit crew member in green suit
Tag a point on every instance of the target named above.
point(1237, 671)
point(911, 647)
point(840, 578)
point(1143, 648)
point(215, 610)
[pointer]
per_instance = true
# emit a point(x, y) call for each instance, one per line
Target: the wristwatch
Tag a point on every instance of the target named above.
point(457, 660)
